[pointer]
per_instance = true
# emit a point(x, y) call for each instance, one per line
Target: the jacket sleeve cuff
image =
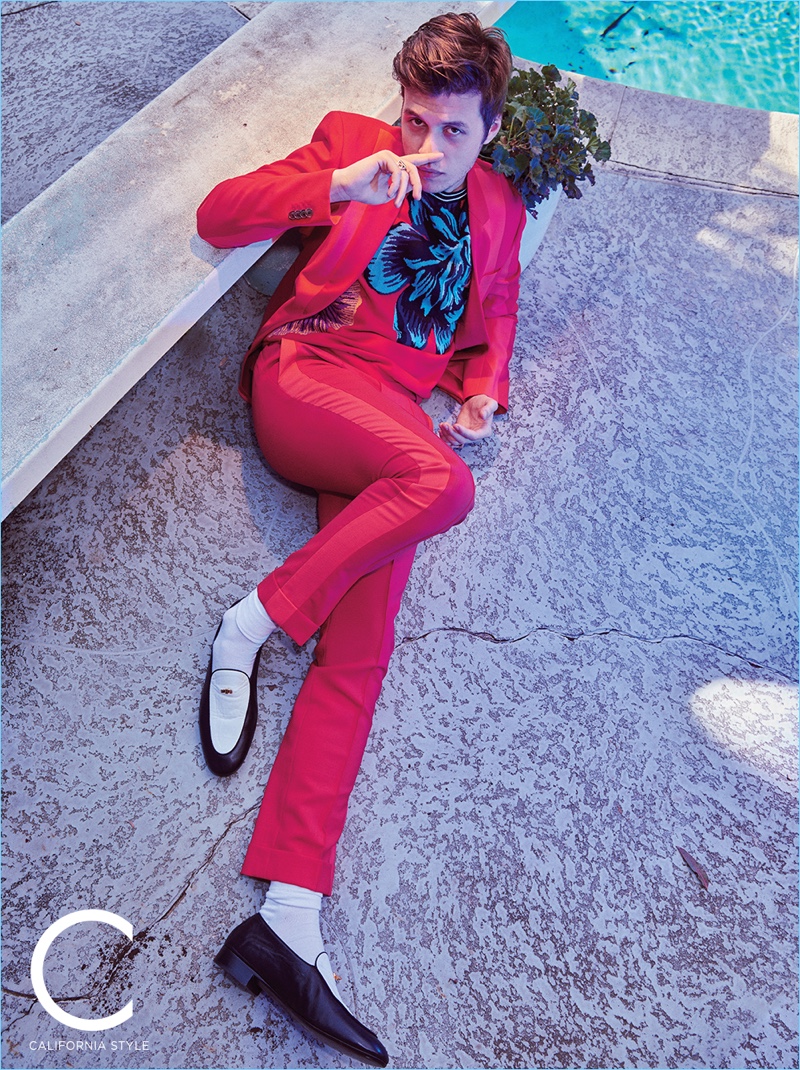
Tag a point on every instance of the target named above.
point(310, 203)
point(490, 386)
point(461, 381)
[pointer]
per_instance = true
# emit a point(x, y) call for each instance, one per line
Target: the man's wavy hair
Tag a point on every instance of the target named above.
point(455, 54)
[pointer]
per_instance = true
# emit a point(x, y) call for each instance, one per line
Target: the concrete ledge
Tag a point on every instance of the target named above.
point(104, 271)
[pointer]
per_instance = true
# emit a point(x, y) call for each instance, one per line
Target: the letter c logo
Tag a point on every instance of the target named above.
point(37, 969)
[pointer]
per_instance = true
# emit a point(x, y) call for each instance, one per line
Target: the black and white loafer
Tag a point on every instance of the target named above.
point(228, 716)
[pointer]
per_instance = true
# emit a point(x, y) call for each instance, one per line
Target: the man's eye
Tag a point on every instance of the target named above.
point(454, 130)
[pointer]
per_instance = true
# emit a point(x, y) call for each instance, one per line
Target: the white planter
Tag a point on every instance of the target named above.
point(535, 228)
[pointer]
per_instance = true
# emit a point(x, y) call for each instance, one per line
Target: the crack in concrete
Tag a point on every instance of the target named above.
point(26, 1011)
point(30, 7)
point(632, 170)
point(489, 637)
point(238, 10)
point(203, 865)
point(128, 951)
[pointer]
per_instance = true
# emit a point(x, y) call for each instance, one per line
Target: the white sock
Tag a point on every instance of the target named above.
point(245, 628)
point(293, 914)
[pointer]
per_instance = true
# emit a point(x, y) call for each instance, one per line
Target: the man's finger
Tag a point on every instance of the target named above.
point(465, 433)
point(422, 157)
point(449, 434)
point(414, 180)
point(402, 185)
point(396, 173)
point(469, 435)
point(400, 176)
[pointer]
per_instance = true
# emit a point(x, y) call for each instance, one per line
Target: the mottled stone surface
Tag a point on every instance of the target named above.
point(73, 74)
point(738, 147)
point(594, 670)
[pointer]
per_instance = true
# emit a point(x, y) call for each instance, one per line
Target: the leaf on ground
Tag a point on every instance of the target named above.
point(694, 866)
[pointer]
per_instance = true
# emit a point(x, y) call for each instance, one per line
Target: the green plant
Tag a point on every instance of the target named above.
point(545, 139)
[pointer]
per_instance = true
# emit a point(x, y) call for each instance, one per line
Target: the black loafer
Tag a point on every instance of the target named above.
point(226, 735)
point(260, 961)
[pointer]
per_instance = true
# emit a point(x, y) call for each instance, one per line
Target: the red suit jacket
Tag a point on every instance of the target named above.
point(345, 237)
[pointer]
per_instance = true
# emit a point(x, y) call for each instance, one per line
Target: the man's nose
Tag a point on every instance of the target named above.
point(429, 143)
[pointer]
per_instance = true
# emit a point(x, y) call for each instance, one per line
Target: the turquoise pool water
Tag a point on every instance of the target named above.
point(727, 52)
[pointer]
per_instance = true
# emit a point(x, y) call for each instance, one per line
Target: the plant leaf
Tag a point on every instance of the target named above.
point(545, 137)
point(694, 866)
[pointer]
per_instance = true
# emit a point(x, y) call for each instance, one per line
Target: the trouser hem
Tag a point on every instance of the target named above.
point(284, 613)
point(271, 865)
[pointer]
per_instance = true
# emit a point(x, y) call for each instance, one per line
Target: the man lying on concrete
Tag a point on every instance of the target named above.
point(408, 278)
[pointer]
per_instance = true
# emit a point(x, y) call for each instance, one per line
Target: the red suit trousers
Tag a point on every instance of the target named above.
point(385, 482)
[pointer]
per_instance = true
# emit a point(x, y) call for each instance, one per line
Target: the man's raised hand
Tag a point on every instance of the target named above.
point(378, 178)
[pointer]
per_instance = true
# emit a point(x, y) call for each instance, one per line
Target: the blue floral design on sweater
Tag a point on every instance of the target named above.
point(431, 262)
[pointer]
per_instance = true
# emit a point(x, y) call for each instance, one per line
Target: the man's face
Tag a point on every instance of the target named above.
point(450, 123)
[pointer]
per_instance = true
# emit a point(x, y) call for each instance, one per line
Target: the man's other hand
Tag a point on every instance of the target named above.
point(378, 178)
point(473, 422)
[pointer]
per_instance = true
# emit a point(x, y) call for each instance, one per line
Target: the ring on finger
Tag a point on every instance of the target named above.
point(401, 165)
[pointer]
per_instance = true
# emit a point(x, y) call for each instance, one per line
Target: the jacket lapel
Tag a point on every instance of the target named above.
point(471, 329)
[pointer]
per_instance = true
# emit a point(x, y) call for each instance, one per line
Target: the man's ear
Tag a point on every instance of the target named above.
point(490, 133)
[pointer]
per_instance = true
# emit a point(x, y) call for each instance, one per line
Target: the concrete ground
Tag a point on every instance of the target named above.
point(595, 670)
point(114, 56)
